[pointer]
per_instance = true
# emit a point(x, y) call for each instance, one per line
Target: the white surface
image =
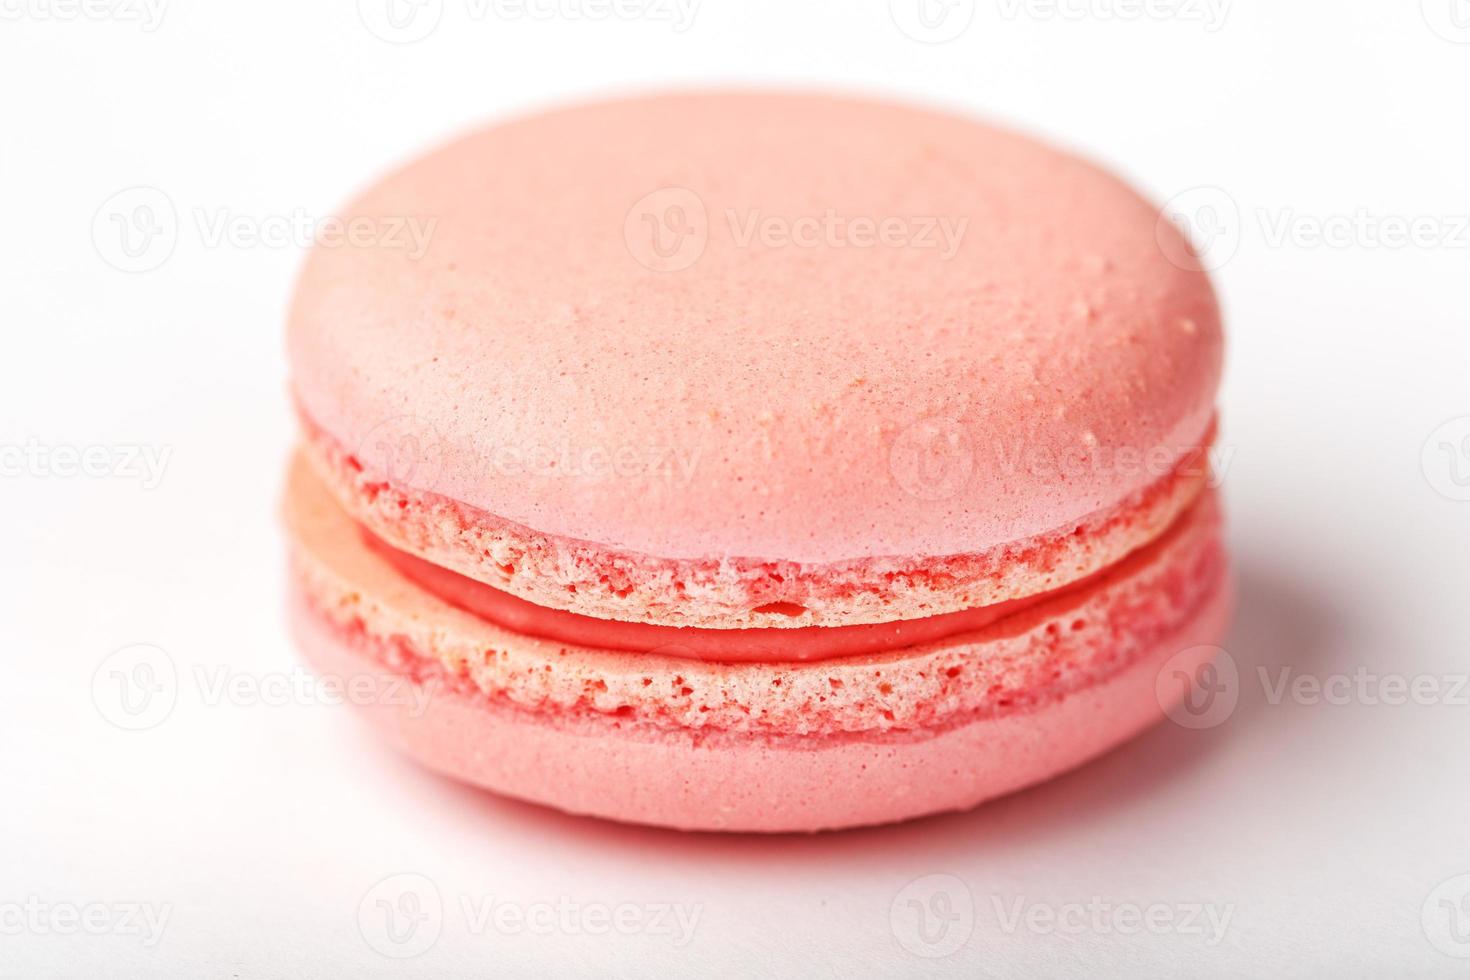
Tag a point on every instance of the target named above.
point(1322, 828)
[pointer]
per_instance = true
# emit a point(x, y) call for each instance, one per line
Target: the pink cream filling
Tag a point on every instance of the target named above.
point(760, 645)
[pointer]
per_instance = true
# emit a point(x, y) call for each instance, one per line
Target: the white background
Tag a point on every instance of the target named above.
point(1322, 829)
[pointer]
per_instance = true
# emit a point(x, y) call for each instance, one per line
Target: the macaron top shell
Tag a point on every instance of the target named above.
point(791, 327)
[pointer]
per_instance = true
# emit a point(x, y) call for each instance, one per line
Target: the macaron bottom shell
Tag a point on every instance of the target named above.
point(738, 782)
point(654, 738)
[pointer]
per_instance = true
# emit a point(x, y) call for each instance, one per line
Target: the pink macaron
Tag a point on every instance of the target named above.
point(754, 462)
